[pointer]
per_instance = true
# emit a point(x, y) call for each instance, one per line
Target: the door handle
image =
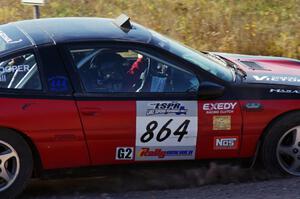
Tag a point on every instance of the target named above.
point(90, 111)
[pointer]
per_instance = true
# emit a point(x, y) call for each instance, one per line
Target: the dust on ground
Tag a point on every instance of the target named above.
point(142, 180)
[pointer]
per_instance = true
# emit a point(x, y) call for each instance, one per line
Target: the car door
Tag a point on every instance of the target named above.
point(47, 117)
point(138, 105)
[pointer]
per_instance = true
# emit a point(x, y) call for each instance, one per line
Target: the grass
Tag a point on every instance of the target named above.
point(265, 27)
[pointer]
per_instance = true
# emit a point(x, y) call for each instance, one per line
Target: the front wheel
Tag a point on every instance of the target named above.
point(16, 164)
point(281, 146)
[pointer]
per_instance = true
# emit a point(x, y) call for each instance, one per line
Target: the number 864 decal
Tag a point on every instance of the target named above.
point(164, 132)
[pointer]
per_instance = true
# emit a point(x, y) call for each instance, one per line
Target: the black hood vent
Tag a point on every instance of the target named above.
point(253, 65)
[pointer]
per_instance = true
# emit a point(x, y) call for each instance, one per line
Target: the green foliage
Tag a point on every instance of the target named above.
point(266, 27)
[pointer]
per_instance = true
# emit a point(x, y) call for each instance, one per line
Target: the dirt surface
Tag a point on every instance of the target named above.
point(214, 181)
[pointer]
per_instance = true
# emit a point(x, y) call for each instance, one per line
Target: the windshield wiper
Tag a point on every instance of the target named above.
point(216, 58)
point(228, 64)
point(243, 73)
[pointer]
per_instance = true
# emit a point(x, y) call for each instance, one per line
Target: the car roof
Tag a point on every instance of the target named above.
point(79, 29)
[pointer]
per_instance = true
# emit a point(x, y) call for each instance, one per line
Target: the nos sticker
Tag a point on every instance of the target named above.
point(166, 130)
point(226, 142)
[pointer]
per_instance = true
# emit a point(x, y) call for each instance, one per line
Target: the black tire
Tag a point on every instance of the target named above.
point(268, 152)
point(26, 163)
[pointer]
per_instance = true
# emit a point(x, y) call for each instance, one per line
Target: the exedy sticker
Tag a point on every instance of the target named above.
point(219, 108)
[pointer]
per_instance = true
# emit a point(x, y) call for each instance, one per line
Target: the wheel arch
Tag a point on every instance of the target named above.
point(37, 163)
point(266, 130)
point(275, 120)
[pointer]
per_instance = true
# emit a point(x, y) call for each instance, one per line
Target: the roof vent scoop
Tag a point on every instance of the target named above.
point(123, 21)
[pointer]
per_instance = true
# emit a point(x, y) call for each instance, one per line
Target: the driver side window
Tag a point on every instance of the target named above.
point(107, 70)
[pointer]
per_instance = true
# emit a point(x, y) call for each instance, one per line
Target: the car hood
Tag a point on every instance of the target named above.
point(267, 69)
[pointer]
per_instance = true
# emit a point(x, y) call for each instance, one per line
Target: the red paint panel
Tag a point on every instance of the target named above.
point(108, 125)
point(53, 125)
point(55, 128)
point(255, 122)
point(206, 132)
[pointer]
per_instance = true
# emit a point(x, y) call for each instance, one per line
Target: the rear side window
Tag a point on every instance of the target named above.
point(20, 72)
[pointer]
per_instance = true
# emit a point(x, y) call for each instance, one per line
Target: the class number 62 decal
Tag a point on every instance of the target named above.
point(124, 153)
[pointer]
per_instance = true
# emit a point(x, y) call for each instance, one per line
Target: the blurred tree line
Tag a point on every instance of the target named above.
point(265, 27)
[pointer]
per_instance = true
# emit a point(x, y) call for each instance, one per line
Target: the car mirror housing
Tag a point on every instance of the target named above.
point(208, 90)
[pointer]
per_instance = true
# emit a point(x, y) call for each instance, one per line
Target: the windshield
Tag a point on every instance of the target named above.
point(214, 67)
point(11, 38)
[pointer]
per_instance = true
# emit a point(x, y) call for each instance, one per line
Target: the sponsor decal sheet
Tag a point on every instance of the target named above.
point(166, 130)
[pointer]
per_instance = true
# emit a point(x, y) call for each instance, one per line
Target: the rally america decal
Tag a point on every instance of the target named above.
point(166, 130)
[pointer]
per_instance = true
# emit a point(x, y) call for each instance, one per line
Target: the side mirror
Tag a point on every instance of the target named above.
point(209, 90)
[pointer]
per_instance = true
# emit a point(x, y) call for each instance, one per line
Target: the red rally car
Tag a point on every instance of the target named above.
point(77, 92)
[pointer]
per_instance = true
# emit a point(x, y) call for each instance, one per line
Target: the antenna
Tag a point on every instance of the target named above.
point(123, 21)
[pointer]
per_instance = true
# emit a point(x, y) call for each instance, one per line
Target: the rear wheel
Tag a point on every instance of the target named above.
point(16, 164)
point(281, 146)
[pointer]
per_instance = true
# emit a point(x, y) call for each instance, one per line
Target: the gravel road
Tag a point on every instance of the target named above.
point(215, 181)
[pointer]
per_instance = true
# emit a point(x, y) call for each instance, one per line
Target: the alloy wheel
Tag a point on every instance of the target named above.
point(9, 165)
